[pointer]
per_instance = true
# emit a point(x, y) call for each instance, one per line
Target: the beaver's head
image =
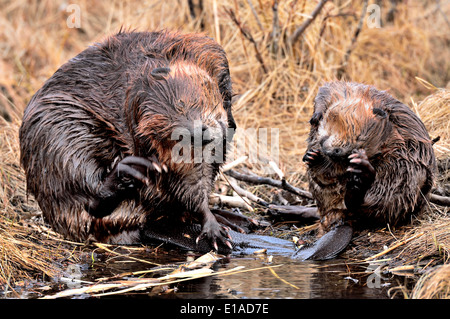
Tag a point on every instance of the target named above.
point(348, 117)
point(177, 113)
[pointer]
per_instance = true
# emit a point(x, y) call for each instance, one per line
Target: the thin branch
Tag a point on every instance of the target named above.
point(396, 245)
point(301, 29)
point(269, 181)
point(194, 15)
point(324, 23)
point(242, 192)
point(289, 19)
point(235, 163)
point(436, 8)
point(248, 36)
point(191, 9)
point(275, 27)
point(438, 4)
point(341, 70)
point(252, 8)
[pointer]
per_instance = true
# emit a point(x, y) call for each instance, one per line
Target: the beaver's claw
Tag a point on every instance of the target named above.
point(133, 170)
point(361, 176)
point(312, 157)
point(360, 170)
point(122, 182)
point(213, 231)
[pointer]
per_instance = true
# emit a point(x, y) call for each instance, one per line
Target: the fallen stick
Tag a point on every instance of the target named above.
point(277, 170)
point(400, 243)
point(269, 181)
point(440, 200)
point(242, 192)
point(234, 163)
point(233, 201)
point(283, 280)
point(299, 211)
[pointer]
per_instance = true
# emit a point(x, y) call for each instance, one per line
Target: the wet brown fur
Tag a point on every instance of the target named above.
point(360, 117)
point(104, 105)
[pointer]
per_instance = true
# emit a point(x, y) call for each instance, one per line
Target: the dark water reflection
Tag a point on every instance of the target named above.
point(330, 279)
point(311, 280)
point(289, 279)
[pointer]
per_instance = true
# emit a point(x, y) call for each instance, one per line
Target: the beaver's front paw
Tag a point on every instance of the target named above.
point(122, 182)
point(131, 172)
point(361, 175)
point(360, 169)
point(213, 232)
point(312, 157)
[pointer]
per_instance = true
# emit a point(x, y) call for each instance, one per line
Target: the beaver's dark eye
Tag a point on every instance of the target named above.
point(361, 139)
point(160, 73)
point(379, 112)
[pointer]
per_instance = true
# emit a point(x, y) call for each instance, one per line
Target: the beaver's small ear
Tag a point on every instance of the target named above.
point(379, 112)
point(321, 102)
point(160, 73)
point(315, 119)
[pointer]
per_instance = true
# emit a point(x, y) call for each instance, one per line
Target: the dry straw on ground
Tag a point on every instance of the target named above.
point(434, 285)
point(275, 79)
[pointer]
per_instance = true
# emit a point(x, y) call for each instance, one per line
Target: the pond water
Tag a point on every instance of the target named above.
point(292, 279)
point(287, 279)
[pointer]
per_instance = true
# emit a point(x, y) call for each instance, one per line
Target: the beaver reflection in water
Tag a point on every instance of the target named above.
point(370, 159)
point(96, 139)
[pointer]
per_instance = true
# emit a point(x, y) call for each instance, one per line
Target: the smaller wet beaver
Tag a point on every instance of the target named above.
point(370, 159)
point(98, 139)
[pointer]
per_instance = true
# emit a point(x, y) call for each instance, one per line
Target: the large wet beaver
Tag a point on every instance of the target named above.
point(97, 139)
point(370, 159)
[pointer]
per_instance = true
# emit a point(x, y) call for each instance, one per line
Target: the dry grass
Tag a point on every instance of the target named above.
point(434, 285)
point(428, 239)
point(28, 249)
point(434, 112)
point(274, 82)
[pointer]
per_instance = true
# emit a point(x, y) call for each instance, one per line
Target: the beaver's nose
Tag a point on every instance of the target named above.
point(335, 152)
